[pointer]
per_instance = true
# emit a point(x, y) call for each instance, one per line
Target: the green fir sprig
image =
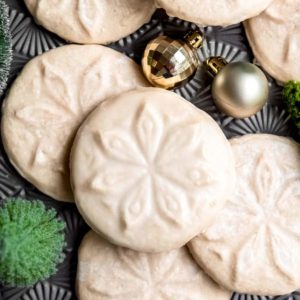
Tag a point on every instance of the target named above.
point(31, 242)
point(291, 95)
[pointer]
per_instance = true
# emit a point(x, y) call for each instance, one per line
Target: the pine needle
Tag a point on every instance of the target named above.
point(31, 242)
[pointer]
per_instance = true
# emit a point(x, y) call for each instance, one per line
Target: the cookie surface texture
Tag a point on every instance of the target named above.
point(274, 37)
point(214, 13)
point(253, 246)
point(149, 170)
point(49, 100)
point(91, 21)
point(108, 272)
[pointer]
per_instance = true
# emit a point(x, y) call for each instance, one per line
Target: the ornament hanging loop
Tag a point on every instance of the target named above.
point(194, 38)
point(215, 64)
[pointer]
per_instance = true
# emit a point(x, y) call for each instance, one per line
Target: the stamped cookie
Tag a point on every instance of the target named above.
point(254, 244)
point(214, 13)
point(91, 21)
point(48, 102)
point(149, 170)
point(107, 272)
point(274, 37)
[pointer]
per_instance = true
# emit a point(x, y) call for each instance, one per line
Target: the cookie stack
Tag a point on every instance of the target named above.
point(176, 210)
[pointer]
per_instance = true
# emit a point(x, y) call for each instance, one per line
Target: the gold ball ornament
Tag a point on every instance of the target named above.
point(239, 89)
point(169, 63)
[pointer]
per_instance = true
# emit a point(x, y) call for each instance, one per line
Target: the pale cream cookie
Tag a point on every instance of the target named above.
point(49, 100)
point(254, 244)
point(214, 12)
point(149, 170)
point(107, 272)
point(274, 37)
point(91, 21)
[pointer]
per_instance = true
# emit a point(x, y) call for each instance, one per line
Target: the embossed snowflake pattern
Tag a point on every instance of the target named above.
point(90, 11)
point(157, 166)
point(171, 275)
point(277, 13)
point(265, 212)
point(58, 113)
point(87, 11)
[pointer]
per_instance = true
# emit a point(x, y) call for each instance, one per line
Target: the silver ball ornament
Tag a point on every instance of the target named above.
point(239, 89)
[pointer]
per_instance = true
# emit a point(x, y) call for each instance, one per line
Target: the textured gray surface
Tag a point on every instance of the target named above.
point(30, 40)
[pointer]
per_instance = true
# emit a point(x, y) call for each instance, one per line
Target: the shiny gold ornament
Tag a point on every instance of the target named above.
point(168, 63)
point(239, 89)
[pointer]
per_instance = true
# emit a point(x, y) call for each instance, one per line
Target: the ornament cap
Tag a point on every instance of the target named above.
point(215, 64)
point(194, 38)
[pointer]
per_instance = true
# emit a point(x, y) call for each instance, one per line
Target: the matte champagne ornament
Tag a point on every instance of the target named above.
point(168, 63)
point(239, 89)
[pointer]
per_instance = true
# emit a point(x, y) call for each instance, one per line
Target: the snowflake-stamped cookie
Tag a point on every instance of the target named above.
point(91, 21)
point(149, 170)
point(107, 272)
point(254, 244)
point(214, 13)
point(277, 28)
point(49, 100)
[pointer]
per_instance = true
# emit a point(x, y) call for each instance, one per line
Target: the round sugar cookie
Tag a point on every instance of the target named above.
point(214, 13)
point(107, 272)
point(254, 244)
point(149, 170)
point(48, 102)
point(274, 37)
point(91, 21)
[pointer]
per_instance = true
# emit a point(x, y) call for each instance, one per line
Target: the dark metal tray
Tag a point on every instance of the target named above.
point(30, 40)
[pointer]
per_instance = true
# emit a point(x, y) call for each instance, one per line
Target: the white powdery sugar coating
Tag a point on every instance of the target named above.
point(253, 246)
point(48, 102)
point(214, 13)
point(89, 11)
point(148, 164)
point(107, 272)
point(91, 21)
point(274, 37)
